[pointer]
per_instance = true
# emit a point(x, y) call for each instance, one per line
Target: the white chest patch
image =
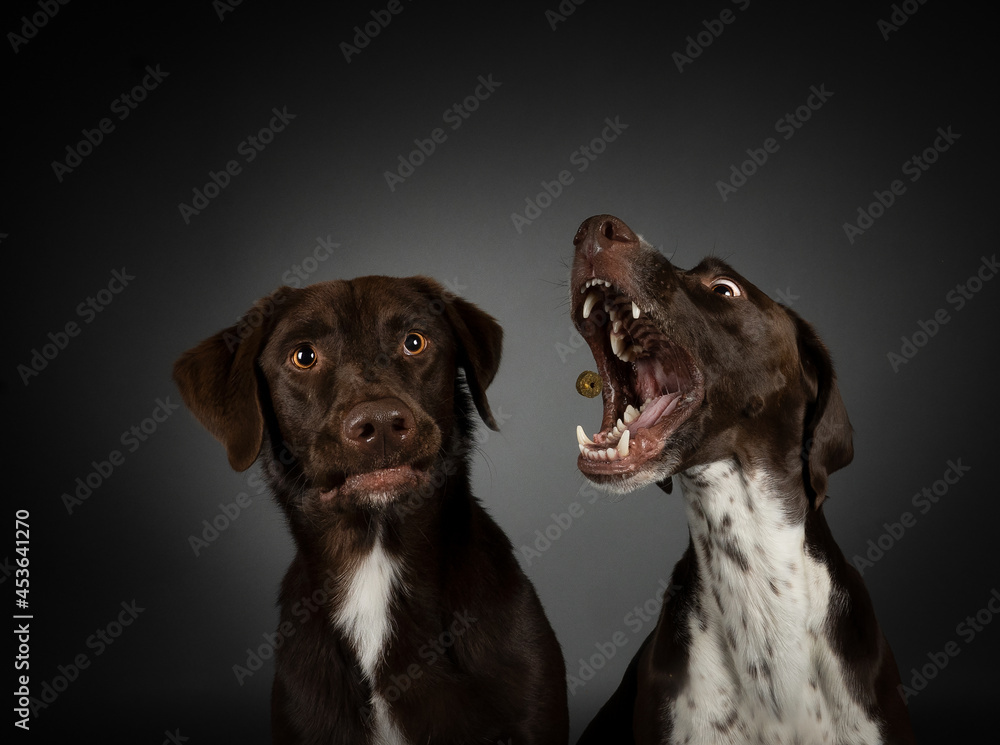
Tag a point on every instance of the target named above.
point(760, 667)
point(363, 616)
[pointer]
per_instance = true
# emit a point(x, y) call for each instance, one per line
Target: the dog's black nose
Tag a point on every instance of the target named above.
point(378, 428)
point(603, 233)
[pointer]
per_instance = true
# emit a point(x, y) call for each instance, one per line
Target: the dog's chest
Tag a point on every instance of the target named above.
point(761, 668)
point(364, 616)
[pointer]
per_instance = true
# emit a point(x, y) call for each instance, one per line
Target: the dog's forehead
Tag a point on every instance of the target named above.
point(336, 305)
point(712, 266)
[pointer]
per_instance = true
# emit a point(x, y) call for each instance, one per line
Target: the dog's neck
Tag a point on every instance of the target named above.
point(762, 600)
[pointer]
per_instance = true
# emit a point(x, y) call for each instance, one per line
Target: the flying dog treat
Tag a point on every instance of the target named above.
point(589, 384)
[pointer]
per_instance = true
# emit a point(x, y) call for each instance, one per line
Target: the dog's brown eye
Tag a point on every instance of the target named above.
point(414, 343)
point(725, 287)
point(304, 357)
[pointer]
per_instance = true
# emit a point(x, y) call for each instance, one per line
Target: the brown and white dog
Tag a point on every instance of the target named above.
point(357, 397)
point(771, 637)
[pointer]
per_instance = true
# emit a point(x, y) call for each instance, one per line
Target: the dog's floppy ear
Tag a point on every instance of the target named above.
point(218, 382)
point(479, 341)
point(827, 442)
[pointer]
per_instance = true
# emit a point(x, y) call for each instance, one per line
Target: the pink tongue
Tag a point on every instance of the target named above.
point(656, 408)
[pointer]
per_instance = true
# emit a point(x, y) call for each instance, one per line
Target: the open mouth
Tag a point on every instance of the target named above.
point(651, 384)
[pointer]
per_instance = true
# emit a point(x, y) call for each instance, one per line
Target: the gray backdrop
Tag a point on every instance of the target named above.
point(117, 117)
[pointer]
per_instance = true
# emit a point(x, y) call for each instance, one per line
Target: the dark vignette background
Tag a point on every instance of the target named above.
point(171, 670)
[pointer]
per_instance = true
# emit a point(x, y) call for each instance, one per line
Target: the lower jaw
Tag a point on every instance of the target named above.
point(648, 455)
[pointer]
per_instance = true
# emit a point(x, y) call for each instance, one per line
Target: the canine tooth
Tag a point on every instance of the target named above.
point(588, 303)
point(635, 310)
point(617, 344)
point(582, 438)
point(631, 414)
point(622, 449)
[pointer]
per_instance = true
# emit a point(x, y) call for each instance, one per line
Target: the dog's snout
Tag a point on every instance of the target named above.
point(603, 233)
point(378, 428)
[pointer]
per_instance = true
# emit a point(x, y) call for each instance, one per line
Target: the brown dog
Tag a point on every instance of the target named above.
point(771, 637)
point(355, 396)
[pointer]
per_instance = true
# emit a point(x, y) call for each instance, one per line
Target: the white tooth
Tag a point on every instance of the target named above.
point(621, 426)
point(611, 453)
point(623, 444)
point(583, 449)
point(617, 327)
point(607, 283)
point(617, 344)
point(626, 355)
point(635, 310)
point(581, 437)
point(614, 433)
point(588, 304)
point(631, 414)
point(613, 314)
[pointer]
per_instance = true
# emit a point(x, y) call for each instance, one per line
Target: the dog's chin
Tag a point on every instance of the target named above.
point(376, 489)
